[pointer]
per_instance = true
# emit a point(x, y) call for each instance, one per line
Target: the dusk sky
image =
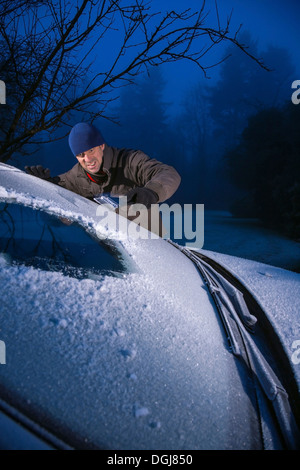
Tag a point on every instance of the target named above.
point(273, 22)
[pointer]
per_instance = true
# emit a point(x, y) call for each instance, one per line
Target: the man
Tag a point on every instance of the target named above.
point(119, 172)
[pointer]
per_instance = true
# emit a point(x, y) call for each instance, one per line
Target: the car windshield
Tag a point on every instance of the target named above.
point(38, 239)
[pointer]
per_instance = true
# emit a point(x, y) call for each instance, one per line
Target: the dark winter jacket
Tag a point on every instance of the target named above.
point(125, 170)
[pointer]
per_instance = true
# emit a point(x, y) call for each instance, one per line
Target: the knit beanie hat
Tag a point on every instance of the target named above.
point(83, 137)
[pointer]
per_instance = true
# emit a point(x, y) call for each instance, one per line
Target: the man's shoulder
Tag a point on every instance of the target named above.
point(75, 170)
point(116, 156)
point(73, 173)
point(125, 154)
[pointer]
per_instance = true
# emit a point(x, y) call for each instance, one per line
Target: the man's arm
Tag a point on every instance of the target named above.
point(65, 179)
point(163, 179)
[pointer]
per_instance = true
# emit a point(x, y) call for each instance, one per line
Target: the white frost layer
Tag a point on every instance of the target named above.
point(50, 206)
point(119, 357)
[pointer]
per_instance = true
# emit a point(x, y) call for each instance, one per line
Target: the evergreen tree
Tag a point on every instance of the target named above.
point(141, 113)
point(241, 91)
point(266, 167)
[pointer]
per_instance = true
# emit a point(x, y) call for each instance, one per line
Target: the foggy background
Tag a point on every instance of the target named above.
point(232, 134)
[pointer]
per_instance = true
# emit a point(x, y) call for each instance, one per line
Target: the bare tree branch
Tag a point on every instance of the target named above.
point(52, 48)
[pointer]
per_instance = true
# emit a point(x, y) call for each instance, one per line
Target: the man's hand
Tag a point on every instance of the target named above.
point(39, 171)
point(143, 196)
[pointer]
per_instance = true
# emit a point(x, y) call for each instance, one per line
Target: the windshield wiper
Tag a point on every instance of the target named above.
point(240, 324)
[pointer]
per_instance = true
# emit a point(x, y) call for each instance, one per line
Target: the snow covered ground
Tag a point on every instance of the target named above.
point(246, 238)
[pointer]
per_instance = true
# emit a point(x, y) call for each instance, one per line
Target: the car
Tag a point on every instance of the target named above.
point(136, 343)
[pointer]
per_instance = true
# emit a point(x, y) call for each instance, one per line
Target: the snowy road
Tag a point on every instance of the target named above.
point(246, 238)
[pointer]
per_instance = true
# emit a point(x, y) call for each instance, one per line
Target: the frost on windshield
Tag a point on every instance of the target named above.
point(99, 351)
point(122, 365)
point(128, 361)
point(38, 239)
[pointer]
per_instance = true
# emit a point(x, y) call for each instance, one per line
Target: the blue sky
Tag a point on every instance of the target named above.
point(273, 22)
point(269, 22)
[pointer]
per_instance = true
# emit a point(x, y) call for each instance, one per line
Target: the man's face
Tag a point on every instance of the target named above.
point(91, 160)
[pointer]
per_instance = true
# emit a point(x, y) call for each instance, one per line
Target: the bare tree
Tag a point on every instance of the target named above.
point(51, 48)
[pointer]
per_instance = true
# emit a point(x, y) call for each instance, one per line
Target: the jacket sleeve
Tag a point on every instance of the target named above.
point(66, 180)
point(163, 179)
